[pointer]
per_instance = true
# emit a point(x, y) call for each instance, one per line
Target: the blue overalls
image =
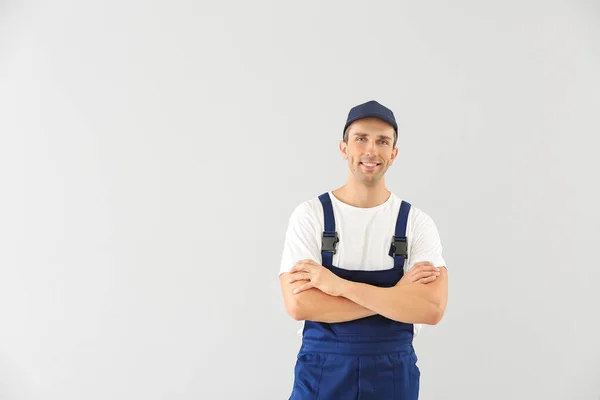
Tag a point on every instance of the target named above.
point(370, 358)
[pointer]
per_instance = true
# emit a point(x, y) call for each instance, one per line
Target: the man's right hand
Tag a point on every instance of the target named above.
point(422, 272)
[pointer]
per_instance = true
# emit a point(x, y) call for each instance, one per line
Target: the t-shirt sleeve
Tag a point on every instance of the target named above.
point(426, 245)
point(302, 238)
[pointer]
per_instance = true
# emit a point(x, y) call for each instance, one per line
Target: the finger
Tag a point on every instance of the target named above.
point(311, 263)
point(425, 274)
point(427, 279)
point(302, 288)
point(299, 267)
point(416, 273)
point(422, 263)
point(299, 276)
point(424, 281)
point(416, 277)
point(426, 268)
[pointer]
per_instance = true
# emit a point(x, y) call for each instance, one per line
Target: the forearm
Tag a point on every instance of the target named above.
point(410, 303)
point(314, 305)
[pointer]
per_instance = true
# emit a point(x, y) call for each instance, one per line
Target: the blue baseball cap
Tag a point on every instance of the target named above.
point(371, 109)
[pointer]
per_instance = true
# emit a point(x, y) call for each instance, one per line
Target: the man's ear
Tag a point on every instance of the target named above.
point(394, 155)
point(344, 149)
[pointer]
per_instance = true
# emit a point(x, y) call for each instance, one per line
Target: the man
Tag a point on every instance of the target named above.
point(363, 269)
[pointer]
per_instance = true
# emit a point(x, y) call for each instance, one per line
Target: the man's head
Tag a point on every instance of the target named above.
point(369, 142)
point(371, 109)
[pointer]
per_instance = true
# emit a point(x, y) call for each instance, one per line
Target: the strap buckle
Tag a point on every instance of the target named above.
point(399, 247)
point(329, 242)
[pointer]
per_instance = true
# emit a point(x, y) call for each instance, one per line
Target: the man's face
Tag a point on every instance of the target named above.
point(370, 149)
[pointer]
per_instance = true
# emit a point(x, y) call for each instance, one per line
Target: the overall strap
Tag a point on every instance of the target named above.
point(330, 238)
point(399, 247)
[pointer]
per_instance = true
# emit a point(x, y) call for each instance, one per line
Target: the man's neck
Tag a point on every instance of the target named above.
point(362, 196)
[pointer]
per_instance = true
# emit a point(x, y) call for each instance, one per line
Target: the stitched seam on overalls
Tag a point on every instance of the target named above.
point(320, 376)
point(394, 375)
point(358, 378)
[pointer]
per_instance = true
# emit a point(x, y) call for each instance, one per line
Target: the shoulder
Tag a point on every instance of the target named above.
point(420, 217)
point(418, 220)
point(306, 208)
point(308, 211)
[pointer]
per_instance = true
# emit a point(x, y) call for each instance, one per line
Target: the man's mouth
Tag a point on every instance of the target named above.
point(367, 165)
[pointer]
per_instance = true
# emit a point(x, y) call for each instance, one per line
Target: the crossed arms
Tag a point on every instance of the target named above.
point(419, 297)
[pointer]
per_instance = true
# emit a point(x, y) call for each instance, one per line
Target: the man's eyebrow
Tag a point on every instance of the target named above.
point(366, 134)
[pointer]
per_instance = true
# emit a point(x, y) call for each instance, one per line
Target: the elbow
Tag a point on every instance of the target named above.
point(435, 315)
point(295, 311)
point(296, 314)
point(437, 309)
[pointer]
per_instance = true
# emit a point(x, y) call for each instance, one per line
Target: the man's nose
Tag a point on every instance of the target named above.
point(370, 149)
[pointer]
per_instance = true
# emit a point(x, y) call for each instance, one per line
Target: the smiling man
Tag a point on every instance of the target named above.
point(363, 269)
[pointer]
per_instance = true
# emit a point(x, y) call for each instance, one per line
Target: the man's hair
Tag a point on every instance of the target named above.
point(347, 131)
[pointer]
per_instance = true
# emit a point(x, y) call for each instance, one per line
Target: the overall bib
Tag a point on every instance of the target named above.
point(370, 358)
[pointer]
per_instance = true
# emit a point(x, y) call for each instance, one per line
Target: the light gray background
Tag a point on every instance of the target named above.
point(152, 152)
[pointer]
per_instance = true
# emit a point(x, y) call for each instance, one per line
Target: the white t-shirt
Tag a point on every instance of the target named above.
point(365, 236)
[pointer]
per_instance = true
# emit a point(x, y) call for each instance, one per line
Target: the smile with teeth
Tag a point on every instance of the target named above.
point(369, 165)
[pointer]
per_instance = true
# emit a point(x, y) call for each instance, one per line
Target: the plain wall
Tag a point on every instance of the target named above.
point(151, 154)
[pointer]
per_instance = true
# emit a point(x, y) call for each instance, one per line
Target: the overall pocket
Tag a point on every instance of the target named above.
point(307, 375)
point(406, 376)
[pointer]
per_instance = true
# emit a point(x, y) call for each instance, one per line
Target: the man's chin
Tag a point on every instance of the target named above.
point(369, 178)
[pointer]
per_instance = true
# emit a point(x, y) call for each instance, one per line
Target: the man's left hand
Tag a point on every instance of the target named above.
point(317, 276)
